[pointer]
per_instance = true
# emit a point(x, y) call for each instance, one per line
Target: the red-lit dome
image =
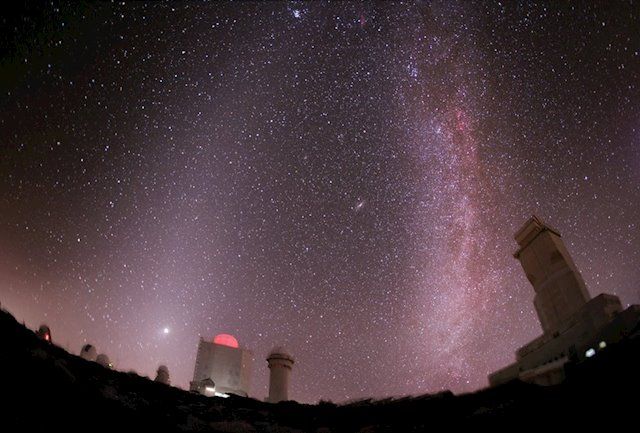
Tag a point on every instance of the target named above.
point(226, 340)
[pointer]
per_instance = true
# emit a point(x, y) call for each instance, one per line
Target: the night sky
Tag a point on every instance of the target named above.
point(343, 179)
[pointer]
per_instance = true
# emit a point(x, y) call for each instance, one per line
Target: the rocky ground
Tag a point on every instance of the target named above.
point(44, 388)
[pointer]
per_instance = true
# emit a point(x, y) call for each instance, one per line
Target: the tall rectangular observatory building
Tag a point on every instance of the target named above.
point(222, 367)
point(575, 326)
point(559, 288)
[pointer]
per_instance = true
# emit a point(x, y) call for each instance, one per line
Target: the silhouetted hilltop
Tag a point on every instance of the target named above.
point(44, 388)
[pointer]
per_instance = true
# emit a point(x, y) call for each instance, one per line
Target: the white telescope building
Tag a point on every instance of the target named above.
point(222, 367)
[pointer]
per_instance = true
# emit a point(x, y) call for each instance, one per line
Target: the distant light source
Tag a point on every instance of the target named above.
point(602, 344)
point(221, 394)
point(165, 331)
point(589, 353)
point(209, 389)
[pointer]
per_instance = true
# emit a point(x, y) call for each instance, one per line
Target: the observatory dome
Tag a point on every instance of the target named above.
point(281, 352)
point(103, 360)
point(44, 332)
point(88, 352)
point(226, 340)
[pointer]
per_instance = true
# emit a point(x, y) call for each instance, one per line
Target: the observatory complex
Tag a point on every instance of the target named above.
point(575, 326)
point(222, 367)
point(280, 365)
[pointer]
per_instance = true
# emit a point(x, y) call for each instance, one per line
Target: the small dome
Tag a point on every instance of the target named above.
point(226, 340)
point(162, 375)
point(103, 360)
point(280, 350)
point(44, 332)
point(88, 352)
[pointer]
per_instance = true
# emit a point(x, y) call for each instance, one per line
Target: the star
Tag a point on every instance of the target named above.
point(226, 186)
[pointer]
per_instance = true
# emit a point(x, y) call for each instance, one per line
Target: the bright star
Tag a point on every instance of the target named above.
point(165, 331)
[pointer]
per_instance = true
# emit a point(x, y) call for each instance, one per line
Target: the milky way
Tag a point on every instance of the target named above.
point(341, 179)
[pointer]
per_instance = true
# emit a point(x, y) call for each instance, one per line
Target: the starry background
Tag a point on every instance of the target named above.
point(343, 179)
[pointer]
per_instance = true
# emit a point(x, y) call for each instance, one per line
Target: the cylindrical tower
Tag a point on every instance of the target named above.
point(280, 364)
